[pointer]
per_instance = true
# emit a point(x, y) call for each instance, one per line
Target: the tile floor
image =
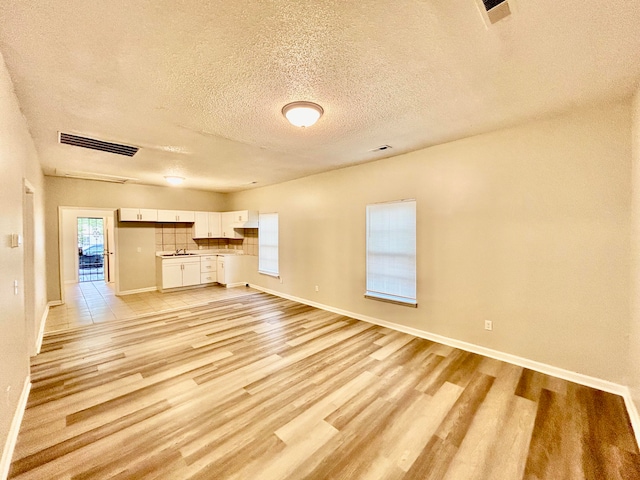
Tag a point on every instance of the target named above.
point(96, 302)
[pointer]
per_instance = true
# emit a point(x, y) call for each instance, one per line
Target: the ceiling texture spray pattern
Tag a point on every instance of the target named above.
point(200, 86)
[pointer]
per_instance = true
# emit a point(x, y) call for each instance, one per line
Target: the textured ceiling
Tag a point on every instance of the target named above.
point(199, 86)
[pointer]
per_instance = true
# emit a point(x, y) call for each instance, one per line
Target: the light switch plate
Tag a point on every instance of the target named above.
point(16, 240)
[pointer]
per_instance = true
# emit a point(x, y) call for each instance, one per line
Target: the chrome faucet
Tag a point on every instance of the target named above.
point(184, 251)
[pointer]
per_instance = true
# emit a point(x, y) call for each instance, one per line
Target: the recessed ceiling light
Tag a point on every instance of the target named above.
point(174, 180)
point(302, 114)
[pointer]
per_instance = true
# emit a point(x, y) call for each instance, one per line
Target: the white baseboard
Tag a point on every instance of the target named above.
point(54, 303)
point(236, 284)
point(10, 445)
point(43, 321)
point(633, 414)
point(139, 290)
point(575, 377)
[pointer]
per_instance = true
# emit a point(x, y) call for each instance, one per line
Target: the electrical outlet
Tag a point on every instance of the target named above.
point(317, 288)
point(281, 281)
point(488, 325)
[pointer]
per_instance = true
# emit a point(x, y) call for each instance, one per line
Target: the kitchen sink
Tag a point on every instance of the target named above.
point(178, 254)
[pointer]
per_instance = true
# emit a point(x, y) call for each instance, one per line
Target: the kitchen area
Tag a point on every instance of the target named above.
point(162, 260)
point(194, 248)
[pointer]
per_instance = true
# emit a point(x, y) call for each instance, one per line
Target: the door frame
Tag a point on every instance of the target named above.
point(84, 212)
point(106, 224)
point(28, 234)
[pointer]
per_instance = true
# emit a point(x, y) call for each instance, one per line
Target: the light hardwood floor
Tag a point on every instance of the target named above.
point(258, 387)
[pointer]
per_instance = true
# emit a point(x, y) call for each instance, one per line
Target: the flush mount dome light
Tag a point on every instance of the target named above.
point(174, 180)
point(302, 114)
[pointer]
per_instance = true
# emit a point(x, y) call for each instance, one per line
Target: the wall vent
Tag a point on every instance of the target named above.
point(496, 9)
point(92, 143)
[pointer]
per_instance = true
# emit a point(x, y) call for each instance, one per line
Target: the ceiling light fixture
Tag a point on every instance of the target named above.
point(302, 114)
point(174, 180)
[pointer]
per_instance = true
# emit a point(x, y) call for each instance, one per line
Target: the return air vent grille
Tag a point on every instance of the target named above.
point(94, 144)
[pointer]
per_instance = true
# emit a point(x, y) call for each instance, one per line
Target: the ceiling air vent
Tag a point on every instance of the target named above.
point(100, 177)
point(496, 9)
point(94, 144)
point(380, 148)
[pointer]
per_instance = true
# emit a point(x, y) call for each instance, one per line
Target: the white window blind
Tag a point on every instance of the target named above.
point(268, 244)
point(391, 251)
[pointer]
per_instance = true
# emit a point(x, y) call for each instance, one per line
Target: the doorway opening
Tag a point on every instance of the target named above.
point(92, 245)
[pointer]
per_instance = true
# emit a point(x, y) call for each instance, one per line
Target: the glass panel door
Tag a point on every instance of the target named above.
point(90, 249)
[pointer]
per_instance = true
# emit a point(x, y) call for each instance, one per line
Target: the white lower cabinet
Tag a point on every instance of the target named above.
point(208, 268)
point(222, 279)
point(177, 272)
point(171, 275)
point(190, 274)
point(229, 271)
point(174, 272)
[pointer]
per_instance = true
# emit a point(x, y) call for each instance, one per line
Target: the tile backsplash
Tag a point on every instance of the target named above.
point(173, 236)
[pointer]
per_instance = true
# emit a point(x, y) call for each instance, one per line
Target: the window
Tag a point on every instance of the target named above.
point(268, 244)
point(391, 252)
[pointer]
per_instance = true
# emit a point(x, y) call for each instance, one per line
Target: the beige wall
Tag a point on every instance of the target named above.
point(18, 160)
point(634, 343)
point(527, 227)
point(136, 253)
point(136, 270)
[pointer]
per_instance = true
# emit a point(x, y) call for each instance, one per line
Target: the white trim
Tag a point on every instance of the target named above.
point(138, 290)
point(61, 255)
point(236, 284)
point(43, 321)
point(100, 212)
point(575, 377)
point(634, 416)
point(270, 274)
point(14, 429)
point(54, 303)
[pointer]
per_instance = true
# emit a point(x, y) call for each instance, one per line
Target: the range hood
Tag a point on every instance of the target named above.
point(244, 219)
point(249, 224)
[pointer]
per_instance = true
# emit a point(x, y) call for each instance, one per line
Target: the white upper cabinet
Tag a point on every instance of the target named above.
point(244, 219)
point(206, 225)
point(228, 220)
point(138, 215)
point(233, 222)
point(176, 216)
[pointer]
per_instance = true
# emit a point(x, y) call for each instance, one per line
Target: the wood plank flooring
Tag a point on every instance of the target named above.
point(259, 387)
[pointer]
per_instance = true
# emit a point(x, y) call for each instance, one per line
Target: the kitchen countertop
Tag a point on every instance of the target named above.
point(200, 253)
